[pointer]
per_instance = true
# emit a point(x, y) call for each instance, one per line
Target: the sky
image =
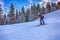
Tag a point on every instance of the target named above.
point(18, 4)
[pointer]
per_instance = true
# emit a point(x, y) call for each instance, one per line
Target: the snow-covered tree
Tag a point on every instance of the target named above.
point(1, 15)
point(38, 8)
point(34, 11)
point(17, 16)
point(53, 6)
point(58, 5)
point(11, 14)
point(22, 16)
point(1, 9)
point(43, 10)
point(27, 15)
point(4, 19)
point(48, 7)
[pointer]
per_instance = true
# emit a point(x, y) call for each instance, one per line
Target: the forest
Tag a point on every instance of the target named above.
point(31, 14)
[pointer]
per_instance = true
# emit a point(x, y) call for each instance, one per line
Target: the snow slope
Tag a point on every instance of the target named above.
point(30, 30)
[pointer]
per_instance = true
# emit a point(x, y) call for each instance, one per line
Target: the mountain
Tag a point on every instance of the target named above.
point(30, 30)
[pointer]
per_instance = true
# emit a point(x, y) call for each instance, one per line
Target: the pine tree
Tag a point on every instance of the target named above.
point(58, 5)
point(23, 10)
point(0, 9)
point(17, 16)
point(22, 14)
point(19, 13)
point(38, 8)
point(48, 7)
point(27, 15)
point(1, 12)
point(34, 11)
point(11, 14)
point(53, 6)
point(2, 23)
point(4, 19)
point(43, 10)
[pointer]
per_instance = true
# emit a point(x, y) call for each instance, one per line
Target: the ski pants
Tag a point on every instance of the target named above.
point(42, 21)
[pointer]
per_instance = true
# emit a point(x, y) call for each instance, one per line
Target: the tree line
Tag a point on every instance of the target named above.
point(31, 14)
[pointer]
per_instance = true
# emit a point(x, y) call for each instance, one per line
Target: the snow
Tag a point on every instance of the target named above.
point(30, 30)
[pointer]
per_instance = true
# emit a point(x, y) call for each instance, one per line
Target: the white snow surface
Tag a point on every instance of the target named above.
point(30, 30)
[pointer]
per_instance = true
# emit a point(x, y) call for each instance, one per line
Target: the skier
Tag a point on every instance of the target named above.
point(41, 19)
